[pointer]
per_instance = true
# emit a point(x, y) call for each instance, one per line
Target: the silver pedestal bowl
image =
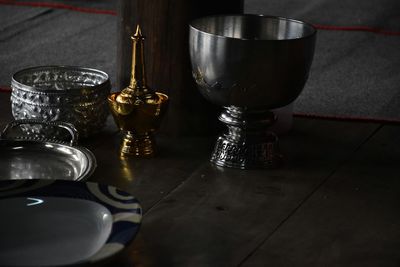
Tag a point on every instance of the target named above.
point(250, 64)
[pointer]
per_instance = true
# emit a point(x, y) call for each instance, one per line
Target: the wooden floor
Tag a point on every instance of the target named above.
point(335, 202)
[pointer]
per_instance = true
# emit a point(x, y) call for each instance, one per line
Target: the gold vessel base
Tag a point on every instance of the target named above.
point(140, 146)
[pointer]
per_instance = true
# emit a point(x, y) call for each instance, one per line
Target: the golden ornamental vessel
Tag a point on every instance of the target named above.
point(138, 110)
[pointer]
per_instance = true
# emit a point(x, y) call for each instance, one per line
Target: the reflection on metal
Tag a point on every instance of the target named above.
point(36, 201)
point(127, 172)
point(137, 110)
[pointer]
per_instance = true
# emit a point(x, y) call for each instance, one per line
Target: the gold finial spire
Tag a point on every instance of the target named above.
point(137, 87)
point(138, 72)
point(138, 32)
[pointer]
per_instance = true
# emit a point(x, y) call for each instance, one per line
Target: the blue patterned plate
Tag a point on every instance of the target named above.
point(54, 222)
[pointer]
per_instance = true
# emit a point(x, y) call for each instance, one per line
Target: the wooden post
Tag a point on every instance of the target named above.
point(165, 24)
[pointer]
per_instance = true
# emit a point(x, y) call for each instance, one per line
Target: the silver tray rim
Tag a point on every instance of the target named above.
point(89, 156)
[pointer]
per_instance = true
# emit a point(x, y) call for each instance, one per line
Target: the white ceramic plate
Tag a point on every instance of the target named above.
point(55, 223)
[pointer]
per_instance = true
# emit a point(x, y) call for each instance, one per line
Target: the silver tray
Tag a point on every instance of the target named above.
point(26, 157)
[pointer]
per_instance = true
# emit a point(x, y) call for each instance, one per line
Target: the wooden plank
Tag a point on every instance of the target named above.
point(147, 179)
point(219, 216)
point(165, 23)
point(353, 220)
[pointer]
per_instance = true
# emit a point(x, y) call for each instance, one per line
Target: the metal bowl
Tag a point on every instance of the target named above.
point(62, 93)
point(251, 61)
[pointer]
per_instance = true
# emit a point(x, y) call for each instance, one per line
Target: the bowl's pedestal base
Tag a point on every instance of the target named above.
point(248, 143)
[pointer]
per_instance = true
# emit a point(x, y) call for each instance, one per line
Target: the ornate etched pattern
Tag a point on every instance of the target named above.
point(227, 92)
point(199, 79)
point(74, 95)
point(248, 143)
point(228, 154)
point(244, 155)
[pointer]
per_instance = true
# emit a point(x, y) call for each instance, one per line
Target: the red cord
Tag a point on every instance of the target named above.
point(346, 118)
point(320, 27)
point(59, 6)
point(356, 28)
point(114, 13)
point(4, 89)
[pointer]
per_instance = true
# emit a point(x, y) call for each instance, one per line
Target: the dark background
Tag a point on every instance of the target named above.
point(355, 73)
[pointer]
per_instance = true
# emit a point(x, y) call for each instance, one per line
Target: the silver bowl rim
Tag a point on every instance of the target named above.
point(312, 34)
point(51, 91)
